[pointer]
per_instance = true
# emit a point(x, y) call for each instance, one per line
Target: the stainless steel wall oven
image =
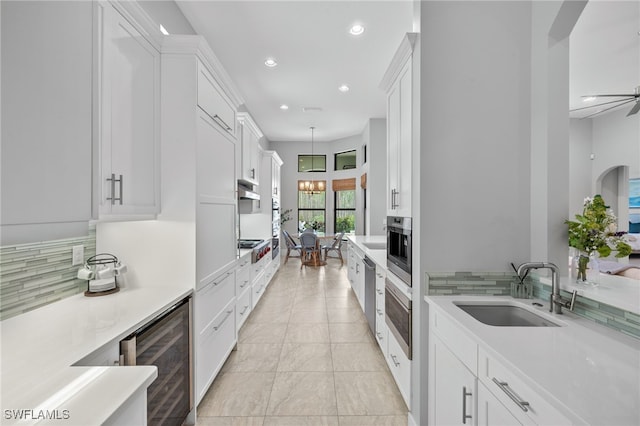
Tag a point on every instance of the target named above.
point(398, 316)
point(399, 247)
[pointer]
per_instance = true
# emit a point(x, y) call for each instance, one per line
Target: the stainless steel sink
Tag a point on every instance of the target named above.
point(506, 315)
point(376, 246)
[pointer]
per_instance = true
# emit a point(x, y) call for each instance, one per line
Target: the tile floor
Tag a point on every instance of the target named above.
point(305, 356)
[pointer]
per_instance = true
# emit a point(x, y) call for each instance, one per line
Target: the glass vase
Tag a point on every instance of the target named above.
point(587, 268)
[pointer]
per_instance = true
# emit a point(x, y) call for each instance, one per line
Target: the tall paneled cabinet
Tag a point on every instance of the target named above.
point(129, 117)
point(397, 83)
point(199, 190)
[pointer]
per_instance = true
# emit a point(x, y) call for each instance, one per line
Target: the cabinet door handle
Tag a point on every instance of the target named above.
point(379, 335)
point(379, 311)
point(380, 292)
point(253, 173)
point(395, 360)
point(221, 122)
point(216, 327)
point(511, 394)
point(113, 181)
point(465, 394)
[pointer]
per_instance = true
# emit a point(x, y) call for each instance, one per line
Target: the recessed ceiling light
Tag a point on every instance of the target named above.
point(284, 107)
point(589, 99)
point(163, 30)
point(343, 88)
point(270, 62)
point(356, 29)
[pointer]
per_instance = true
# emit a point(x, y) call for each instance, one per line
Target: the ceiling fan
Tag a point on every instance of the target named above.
point(624, 98)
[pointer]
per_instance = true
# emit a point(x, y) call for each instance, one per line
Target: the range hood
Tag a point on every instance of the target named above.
point(246, 193)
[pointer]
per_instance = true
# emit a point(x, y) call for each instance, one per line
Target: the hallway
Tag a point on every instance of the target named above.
point(305, 356)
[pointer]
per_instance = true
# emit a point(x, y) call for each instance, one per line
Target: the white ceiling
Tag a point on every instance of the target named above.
point(605, 52)
point(316, 54)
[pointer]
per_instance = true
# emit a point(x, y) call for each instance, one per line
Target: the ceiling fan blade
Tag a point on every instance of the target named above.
point(603, 103)
point(635, 109)
point(607, 109)
point(617, 95)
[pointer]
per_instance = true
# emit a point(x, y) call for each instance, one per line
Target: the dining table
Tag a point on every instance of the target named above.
point(318, 261)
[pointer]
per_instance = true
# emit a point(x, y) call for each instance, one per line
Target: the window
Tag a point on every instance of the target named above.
point(345, 160)
point(311, 210)
point(345, 205)
point(312, 163)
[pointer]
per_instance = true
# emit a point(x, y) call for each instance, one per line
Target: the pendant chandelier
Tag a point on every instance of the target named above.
point(310, 186)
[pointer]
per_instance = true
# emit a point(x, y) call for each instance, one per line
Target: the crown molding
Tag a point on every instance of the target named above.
point(245, 119)
point(404, 52)
point(197, 45)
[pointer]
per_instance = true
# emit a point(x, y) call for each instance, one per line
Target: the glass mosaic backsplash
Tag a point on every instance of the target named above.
point(499, 284)
point(36, 274)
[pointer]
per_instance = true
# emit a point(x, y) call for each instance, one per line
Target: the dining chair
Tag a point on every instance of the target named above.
point(291, 246)
point(310, 249)
point(336, 245)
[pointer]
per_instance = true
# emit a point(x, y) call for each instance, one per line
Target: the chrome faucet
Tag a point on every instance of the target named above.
point(555, 300)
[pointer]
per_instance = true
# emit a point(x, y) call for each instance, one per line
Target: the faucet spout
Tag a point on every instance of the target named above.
point(555, 300)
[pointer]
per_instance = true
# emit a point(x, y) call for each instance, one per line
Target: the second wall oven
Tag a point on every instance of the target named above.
point(398, 316)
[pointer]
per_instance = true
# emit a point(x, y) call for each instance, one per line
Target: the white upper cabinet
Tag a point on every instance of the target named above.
point(398, 85)
point(129, 111)
point(212, 101)
point(46, 120)
point(276, 165)
point(251, 153)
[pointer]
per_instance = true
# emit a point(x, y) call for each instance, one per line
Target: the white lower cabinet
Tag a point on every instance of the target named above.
point(491, 411)
point(468, 385)
point(400, 367)
point(382, 332)
point(215, 328)
point(455, 396)
point(243, 308)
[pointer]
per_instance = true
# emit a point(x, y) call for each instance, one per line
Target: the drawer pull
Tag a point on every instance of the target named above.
point(511, 394)
point(465, 394)
point(379, 312)
point(244, 284)
point(244, 310)
point(380, 292)
point(216, 327)
point(395, 360)
point(221, 122)
point(379, 335)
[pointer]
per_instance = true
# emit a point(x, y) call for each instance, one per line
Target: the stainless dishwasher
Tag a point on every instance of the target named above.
point(370, 292)
point(166, 343)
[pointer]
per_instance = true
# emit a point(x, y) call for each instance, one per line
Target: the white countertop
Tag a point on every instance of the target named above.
point(614, 290)
point(40, 347)
point(379, 256)
point(593, 371)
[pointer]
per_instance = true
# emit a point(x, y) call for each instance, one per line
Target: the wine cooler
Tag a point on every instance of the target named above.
point(165, 343)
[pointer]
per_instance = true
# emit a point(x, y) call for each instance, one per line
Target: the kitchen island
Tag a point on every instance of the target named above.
point(50, 367)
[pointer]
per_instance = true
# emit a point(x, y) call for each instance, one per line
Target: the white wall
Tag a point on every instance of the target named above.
point(375, 137)
point(580, 164)
point(289, 151)
point(475, 135)
point(616, 142)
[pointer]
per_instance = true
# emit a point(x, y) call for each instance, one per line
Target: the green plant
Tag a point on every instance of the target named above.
point(285, 216)
point(345, 224)
point(596, 230)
